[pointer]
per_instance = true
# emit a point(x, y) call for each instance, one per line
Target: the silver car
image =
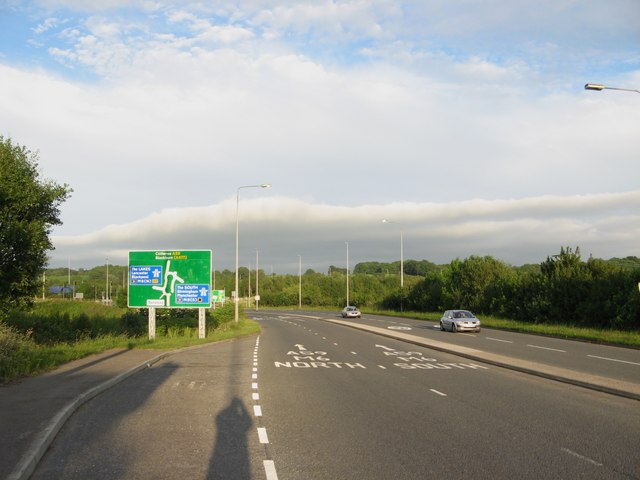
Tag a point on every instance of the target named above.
point(350, 312)
point(459, 321)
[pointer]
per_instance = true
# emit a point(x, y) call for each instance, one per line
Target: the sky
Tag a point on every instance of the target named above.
point(464, 123)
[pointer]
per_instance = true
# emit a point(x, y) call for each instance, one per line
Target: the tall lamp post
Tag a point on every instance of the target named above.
point(599, 87)
point(347, 243)
point(237, 297)
point(401, 261)
point(300, 282)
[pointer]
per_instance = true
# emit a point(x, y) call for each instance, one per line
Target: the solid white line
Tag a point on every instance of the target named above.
point(581, 457)
point(613, 360)
point(257, 410)
point(262, 435)
point(270, 470)
point(547, 348)
point(498, 340)
point(437, 392)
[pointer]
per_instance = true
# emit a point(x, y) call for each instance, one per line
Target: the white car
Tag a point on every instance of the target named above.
point(459, 321)
point(351, 312)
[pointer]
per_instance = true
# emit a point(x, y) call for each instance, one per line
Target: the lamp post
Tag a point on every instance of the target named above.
point(300, 282)
point(347, 243)
point(257, 275)
point(106, 286)
point(401, 261)
point(237, 297)
point(599, 87)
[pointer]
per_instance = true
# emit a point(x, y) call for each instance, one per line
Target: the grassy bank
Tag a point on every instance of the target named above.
point(21, 355)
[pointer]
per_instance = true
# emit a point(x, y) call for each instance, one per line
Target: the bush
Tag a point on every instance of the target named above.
point(14, 352)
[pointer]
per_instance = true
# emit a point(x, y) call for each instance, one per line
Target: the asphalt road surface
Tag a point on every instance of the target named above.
point(309, 399)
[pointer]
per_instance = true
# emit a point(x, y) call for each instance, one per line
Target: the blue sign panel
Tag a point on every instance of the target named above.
point(145, 275)
point(192, 294)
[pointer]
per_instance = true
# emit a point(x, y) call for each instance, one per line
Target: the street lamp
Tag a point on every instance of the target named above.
point(401, 252)
point(106, 286)
point(347, 243)
point(401, 261)
point(599, 87)
point(237, 297)
point(300, 282)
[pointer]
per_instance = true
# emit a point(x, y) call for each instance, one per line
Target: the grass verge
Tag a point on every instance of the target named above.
point(20, 356)
point(595, 335)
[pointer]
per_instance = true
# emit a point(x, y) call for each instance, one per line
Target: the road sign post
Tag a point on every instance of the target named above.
point(170, 279)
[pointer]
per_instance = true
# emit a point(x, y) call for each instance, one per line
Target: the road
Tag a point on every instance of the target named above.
point(612, 362)
point(309, 399)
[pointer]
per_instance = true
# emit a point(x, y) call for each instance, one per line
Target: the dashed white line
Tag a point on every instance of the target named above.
point(547, 348)
point(581, 457)
point(255, 396)
point(382, 367)
point(262, 435)
point(613, 360)
point(438, 392)
point(257, 410)
point(499, 340)
point(254, 385)
point(270, 470)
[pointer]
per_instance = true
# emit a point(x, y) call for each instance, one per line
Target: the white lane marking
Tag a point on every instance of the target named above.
point(336, 344)
point(547, 348)
point(354, 353)
point(382, 367)
point(581, 457)
point(499, 340)
point(613, 360)
point(437, 392)
point(270, 470)
point(254, 385)
point(255, 369)
point(257, 410)
point(262, 435)
point(255, 396)
point(254, 376)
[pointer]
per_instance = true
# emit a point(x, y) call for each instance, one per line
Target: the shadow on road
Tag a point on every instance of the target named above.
point(230, 457)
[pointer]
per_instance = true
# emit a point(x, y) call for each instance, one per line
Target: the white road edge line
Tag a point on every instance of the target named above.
point(547, 348)
point(270, 470)
point(613, 360)
point(581, 457)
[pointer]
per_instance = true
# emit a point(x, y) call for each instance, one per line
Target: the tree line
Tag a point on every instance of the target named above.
point(563, 289)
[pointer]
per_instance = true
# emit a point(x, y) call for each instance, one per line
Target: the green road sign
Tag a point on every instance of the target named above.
point(217, 296)
point(170, 279)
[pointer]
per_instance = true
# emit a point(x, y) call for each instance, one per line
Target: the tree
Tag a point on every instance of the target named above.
point(29, 208)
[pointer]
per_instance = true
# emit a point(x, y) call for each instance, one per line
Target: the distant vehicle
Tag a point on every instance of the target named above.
point(459, 321)
point(351, 312)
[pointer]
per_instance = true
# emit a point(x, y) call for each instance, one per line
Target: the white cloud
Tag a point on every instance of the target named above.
point(472, 118)
point(517, 231)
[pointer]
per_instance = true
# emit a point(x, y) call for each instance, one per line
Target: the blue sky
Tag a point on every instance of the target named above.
point(465, 122)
